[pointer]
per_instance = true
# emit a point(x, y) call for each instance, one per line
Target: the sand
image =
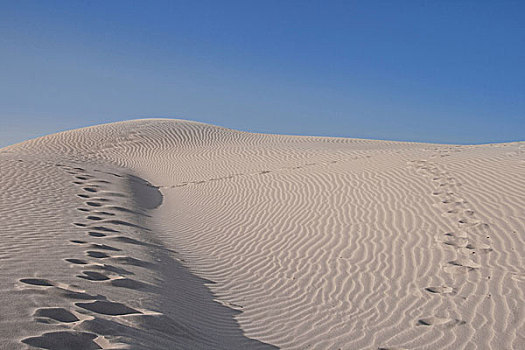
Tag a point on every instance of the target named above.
point(171, 234)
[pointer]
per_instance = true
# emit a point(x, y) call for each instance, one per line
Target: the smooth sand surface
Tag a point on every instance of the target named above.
point(170, 234)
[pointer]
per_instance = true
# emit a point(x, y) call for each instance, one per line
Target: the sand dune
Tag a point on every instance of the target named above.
point(170, 234)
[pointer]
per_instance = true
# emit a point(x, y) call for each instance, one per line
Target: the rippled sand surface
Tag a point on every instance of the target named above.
point(171, 234)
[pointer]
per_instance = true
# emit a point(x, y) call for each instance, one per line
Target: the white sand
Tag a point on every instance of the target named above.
point(191, 236)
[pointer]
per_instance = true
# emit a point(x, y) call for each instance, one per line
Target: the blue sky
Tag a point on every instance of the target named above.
point(437, 71)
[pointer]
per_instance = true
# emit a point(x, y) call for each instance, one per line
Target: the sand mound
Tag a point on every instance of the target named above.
point(170, 234)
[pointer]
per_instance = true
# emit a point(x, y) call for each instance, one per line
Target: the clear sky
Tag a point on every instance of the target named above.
point(450, 71)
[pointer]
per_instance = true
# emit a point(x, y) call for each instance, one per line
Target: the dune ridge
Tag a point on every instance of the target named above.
point(161, 233)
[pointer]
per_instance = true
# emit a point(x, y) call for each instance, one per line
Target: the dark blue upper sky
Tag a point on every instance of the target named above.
point(439, 71)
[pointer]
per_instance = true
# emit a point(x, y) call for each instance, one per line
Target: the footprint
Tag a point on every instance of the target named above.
point(439, 321)
point(105, 247)
point(97, 255)
point(108, 308)
point(57, 314)
point(76, 261)
point(100, 199)
point(93, 276)
point(37, 282)
point(90, 189)
point(76, 241)
point(483, 226)
point(457, 242)
point(64, 340)
point(479, 246)
point(80, 295)
point(105, 229)
point(96, 234)
point(464, 262)
point(440, 290)
point(460, 234)
point(107, 213)
point(101, 181)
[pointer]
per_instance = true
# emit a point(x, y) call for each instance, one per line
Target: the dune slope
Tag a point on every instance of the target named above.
point(168, 234)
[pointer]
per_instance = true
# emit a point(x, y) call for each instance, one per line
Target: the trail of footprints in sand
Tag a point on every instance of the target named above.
point(468, 240)
point(262, 172)
point(101, 223)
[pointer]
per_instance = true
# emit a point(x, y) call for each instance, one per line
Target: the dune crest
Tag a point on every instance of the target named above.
point(171, 234)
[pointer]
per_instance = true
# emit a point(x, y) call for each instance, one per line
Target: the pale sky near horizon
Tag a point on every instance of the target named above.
point(431, 71)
